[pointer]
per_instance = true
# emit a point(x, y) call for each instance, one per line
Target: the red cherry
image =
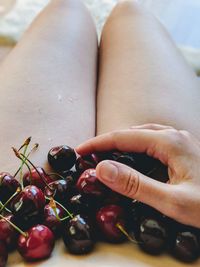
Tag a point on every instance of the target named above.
point(37, 177)
point(86, 162)
point(8, 186)
point(60, 190)
point(51, 220)
point(89, 184)
point(3, 254)
point(38, 244)
point(28, 206)
point(7, 233)
point(107, 219)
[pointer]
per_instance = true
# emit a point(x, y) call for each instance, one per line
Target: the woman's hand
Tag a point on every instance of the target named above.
point(179, 150)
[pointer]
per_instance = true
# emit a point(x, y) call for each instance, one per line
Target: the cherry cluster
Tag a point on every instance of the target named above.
point(37, 207)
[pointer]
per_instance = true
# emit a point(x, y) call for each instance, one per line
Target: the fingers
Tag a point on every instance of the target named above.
point(154, 143)
point(151, 126)
point(135, 185)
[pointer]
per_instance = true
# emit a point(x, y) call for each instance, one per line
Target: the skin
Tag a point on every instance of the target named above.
point(179, 150)
point(48, 84)
point(48, 90)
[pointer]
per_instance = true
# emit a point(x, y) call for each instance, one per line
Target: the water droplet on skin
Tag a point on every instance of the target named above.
point(59, 98)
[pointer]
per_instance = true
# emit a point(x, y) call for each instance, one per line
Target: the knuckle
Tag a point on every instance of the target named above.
point(174, 137)
point(131, 184)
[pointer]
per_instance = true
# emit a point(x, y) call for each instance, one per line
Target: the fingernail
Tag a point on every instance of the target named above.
point(108, 171)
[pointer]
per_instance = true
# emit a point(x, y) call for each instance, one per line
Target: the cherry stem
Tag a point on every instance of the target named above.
point(14, 226)
point(24, 160)
point(5, 204)
point(1, 205)
point(65, 218)
point(22, 156)
point(26, 143)
point(121, 228)
point(56, 174)
point(21, 166)
point(52, 204)
point(70, 214)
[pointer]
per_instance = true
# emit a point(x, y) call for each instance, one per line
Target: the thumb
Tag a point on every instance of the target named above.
point(135, 185)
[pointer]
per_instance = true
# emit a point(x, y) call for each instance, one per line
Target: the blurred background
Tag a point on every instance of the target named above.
point(180, 17)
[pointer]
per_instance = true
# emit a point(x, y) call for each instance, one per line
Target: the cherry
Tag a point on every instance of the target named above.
point(28, 206)
point(60, 190)
point(126, 159)
point(3, 254)
point(8, 186)
point(37, 177)
point(109, 155)
point(51, 218)
point(62, 158)
point(82, 204)
point(8, 234)
point(186, 247)
point(152, 236)
point(86, 162)
point(37, 244)
point(107, 218)
point(77, 235)
point(89, 184)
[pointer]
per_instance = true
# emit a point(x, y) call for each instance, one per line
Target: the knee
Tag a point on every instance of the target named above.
point(126, 8)
point(64, 5)
point(129, 12)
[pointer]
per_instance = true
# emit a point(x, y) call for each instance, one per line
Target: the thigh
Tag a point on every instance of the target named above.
point(48, 82)
point(143, 78)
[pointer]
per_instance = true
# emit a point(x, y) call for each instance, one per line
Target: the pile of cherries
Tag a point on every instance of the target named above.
point(36, 208)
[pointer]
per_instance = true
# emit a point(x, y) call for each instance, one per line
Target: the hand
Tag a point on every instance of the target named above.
point(179, 150)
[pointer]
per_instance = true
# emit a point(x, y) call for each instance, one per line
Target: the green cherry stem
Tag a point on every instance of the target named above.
point(121, 228)
point(24, 160)
point(69, 213)
point(53, 205)
point(22, 156)
point(16, 193)
point(1, 205)
point(14, 226)
point(21, 166)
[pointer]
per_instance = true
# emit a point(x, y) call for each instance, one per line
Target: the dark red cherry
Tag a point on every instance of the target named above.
point(51, 218)
point(89, 184)
point(71, 176)
point(38, 243)
point(152, 236)
point(186, 247)
point(127, 160)
point(3, 254)
point(82, 204)
point(37, 177)
point(77, 235)
point(8, 186)
point(8, 234)
point(28, 206)
point(60, 190)
point(107, 218)
point(109, 155)
point(62, 158)
point(86, 162)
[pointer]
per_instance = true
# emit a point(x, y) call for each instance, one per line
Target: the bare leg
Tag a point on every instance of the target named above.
point(47, 83)
point(143, 78)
